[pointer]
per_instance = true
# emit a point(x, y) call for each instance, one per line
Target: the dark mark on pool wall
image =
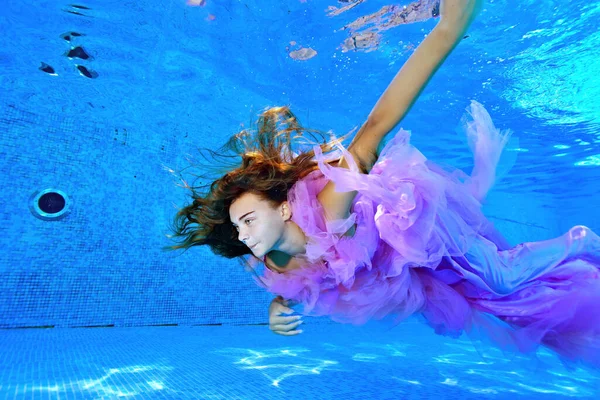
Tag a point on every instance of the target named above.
point(69, 35)
point(47, 69)
point(86, 72)
point(78, 52)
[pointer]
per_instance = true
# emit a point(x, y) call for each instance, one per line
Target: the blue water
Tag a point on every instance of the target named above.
point(101, 99)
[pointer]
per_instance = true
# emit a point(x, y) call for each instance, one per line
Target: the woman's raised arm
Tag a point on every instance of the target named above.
point(396, 100)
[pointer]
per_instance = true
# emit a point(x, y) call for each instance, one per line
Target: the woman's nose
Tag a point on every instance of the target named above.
point(242, 236)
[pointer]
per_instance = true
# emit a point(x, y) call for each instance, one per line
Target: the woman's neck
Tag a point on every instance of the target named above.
point(294, 240)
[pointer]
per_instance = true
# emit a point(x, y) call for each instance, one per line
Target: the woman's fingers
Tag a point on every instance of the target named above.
point(291, 333)
point(283, 310)
point(286, 328)
point(284, 323)
point(286, 320)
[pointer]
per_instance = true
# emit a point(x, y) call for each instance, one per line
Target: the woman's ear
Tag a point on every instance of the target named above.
point(286, 212)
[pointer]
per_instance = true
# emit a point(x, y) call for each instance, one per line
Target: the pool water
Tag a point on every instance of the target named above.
point(103, 101)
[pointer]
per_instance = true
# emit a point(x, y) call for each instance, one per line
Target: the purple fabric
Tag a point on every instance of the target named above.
point(422, 245)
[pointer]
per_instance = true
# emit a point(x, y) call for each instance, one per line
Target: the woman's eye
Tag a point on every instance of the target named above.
point(248, 221)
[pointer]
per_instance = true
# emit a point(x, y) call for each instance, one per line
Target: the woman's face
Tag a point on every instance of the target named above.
point(259, 225)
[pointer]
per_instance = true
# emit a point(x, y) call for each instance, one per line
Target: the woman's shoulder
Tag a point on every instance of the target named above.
point(312, 183)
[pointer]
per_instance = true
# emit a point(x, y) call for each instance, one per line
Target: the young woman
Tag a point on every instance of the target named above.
point(359, 235)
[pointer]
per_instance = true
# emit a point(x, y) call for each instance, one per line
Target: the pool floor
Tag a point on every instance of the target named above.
point(327, 361)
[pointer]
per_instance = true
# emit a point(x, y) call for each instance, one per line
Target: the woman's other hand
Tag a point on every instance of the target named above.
point(280, 322)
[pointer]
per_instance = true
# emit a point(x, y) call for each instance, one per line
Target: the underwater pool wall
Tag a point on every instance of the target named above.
point(101, 264)
point(100, 136)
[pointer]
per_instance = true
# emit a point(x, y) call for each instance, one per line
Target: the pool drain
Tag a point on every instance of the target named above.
point(50, 204)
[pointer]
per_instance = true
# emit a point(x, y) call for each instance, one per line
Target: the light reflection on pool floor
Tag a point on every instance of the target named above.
point(249, 362)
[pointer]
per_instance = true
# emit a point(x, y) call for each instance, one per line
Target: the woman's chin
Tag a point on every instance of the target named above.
point(257, 251)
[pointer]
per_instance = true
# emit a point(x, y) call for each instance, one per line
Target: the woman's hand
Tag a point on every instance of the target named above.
point(278, 322)
point(457, 15)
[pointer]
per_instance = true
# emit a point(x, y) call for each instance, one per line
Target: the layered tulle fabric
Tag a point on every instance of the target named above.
point(422, 245)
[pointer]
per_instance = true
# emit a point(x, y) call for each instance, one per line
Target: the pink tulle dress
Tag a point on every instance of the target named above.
point(423, 246)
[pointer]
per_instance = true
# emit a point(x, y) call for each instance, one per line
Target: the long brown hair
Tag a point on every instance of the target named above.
point(273, 158)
